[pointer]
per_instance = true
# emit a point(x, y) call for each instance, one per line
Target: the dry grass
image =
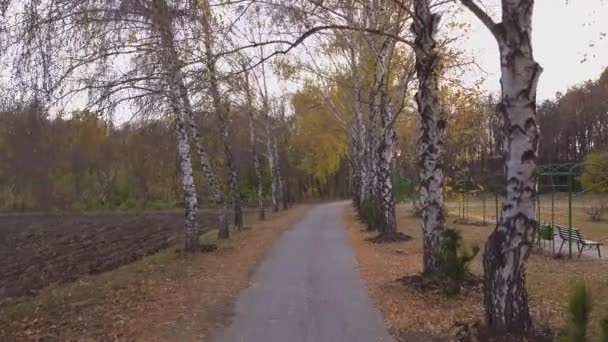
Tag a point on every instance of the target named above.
point(170, 296)
point(406, 311)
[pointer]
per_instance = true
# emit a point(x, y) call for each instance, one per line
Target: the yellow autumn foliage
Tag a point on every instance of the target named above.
point(319, 138)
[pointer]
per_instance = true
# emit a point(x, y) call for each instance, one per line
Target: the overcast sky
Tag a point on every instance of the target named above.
point(564, 34)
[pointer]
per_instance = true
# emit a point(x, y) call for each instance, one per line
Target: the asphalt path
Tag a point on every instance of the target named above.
point(308, 289)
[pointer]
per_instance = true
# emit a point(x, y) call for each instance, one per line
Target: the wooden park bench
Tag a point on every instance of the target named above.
point(575, 235)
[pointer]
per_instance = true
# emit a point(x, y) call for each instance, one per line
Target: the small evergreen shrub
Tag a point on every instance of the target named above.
point(400, 191)
point(547, 232)
point(604, 326)
point(371, 214)
point(454, 259)
point(579, 309)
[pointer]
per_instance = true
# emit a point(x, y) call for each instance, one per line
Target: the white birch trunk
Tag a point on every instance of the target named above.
point(271, 161)
point(281, 196)
point(172, 80)
point(508, 247)
point(386, 144)
point(256, 160)
point(212, 183)
point(221, 112)
point(358, 126)
point(431, 143)
point(386, 152)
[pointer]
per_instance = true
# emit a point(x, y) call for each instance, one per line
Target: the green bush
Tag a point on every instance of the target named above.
point(547, 232)
point(371, 214)
point(579, 309)
point(400, 191)
point(453, 259)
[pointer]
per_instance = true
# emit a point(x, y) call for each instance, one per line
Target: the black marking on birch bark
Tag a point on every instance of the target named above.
point(528, 156)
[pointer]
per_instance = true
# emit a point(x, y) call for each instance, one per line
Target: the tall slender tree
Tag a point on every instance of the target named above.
point(509, 245)
point(221, 110)
point(162, 20)
point(433, 122)
point(253, 141)
point(162, 15)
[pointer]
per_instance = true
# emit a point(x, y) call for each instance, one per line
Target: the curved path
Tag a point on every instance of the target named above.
point(308, 289)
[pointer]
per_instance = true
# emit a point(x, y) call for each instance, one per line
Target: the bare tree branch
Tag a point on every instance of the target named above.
point(483, 16)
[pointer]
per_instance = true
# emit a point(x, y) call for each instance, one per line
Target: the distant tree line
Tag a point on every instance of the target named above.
point(81, 162)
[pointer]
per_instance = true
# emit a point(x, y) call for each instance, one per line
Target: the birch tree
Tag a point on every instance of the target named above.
point(277, 161)
point(272, 163)
point(509, 245)
point(253, 141)
point(384, 105)
point(162, 21)
point(358, 137)
point(433, 122)
point(221, 110)
point(269, 122)
point(141, 36)
point(67, 43)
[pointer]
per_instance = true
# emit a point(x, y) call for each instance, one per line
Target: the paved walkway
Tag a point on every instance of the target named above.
point(308, 289)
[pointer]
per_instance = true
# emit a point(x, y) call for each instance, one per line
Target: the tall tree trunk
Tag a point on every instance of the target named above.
point(358, 144)
point(172, 80)
point(253, 141)
point(212, 183)
point(191, 238)
point(280, 181)
point(272, 165)
point(431, 143)
point(233, 178)
point(386, 152)
point(508, 247)
point(258, 171)
point(369, 172)
point(386, 146)
point(221, 113)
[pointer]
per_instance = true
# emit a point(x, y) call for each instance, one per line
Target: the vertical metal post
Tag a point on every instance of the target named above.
point(462, 200)
point(538, 204)
point(466, 207)
point(553, 207)
point(570, 189)
point(459, 205)
point(496, 199)
point(484, 208)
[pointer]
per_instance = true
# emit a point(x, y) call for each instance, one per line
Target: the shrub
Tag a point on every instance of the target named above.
point(371, 214)
point(604, 326)
point(579, 308)
point(595, 211)
point(453, 258)
point(547, 232)
point(399, 186)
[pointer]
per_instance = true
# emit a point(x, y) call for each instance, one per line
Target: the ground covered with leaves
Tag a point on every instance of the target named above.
point(413, 313)
point(167, 296)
